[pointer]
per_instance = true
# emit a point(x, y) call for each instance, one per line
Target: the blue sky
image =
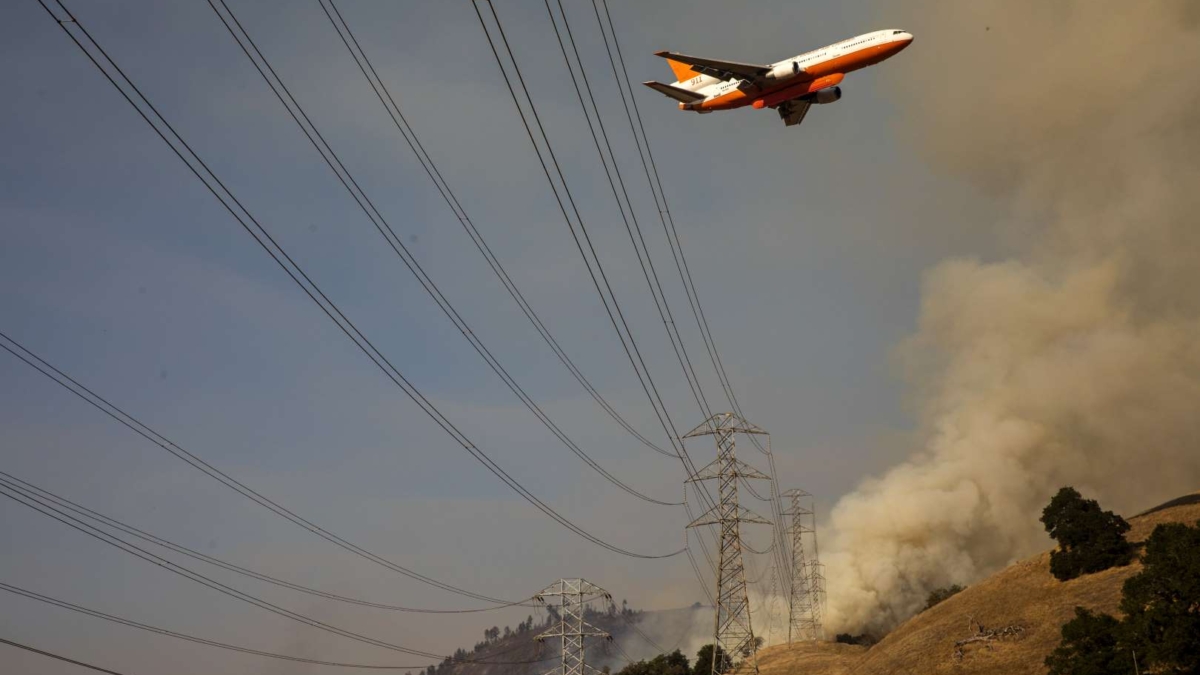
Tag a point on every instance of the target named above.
point(117, 266)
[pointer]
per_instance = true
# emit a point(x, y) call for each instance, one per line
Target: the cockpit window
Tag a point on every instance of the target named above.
point(897, 32)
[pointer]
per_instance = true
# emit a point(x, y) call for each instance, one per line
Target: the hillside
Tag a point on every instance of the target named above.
point(1024, 595)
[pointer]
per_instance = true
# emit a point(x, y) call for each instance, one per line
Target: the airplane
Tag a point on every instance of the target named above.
point(790, 86)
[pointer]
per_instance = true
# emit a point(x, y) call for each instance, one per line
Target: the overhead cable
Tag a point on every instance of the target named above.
point(49, 510)
point(58, 657)
point(62, 502)
point(63, 604)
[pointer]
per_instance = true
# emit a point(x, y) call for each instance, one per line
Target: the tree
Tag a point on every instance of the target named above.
point(704, 660)
point(1162, 603)
point(1089, 539)
point(940, 594)
point(1091, 645)
point(674, 663)
point(507, 632)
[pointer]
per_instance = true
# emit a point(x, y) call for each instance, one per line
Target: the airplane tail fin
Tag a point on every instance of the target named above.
point(683, 72)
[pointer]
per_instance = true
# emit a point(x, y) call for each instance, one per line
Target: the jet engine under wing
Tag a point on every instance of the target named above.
point(725, 70)
point(681, 95)
point(793, 112)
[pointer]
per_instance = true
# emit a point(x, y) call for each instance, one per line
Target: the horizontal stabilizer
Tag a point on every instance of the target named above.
point(681, 95)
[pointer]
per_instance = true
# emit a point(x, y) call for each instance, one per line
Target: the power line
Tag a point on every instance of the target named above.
point(310, 130)
point(81, 664)
point(104, 406)
point(63, 604)
point(11, 481)
point(631, 223)
point(279, 255)
point(435, 175)
point(631, 350)
point(668, 221)
point(55, 513)
point(655, 287)
point(597, 275)
point(650, 169)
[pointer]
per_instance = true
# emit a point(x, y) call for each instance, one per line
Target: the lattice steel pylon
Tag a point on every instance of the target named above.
point(573, 594)
point(733, 635)
point(816, 581)
point(804, 602)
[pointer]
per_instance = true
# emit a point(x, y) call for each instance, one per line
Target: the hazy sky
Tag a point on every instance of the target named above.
point(117, 266)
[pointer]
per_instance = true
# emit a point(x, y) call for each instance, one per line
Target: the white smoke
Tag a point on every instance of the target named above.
point(1078, 361)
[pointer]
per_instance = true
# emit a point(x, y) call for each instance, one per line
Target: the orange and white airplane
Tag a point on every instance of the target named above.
point(790, 86)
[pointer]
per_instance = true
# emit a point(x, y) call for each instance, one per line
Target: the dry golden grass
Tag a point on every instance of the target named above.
point(1023, 594)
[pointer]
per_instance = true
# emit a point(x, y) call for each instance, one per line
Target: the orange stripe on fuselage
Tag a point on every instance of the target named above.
point(845, 63)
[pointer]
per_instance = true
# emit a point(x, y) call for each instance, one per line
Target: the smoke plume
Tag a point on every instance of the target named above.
point(1077, 361)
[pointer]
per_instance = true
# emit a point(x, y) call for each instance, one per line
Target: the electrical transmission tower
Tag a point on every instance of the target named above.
point(817, 579)
point(733, 636)
point(573, 595)
point(808, 581)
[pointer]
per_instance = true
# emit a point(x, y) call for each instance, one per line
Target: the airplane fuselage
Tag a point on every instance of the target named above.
point(802, 75)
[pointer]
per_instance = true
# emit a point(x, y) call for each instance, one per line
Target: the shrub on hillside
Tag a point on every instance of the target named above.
point(941, 594)
point(1089, 539)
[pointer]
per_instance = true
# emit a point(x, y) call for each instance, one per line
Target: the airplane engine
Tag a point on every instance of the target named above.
point(826, 95)
point(784, 71)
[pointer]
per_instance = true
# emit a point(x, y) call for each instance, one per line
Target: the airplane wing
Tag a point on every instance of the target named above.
point(682, 95)
point(793, 112)
point(725, 70)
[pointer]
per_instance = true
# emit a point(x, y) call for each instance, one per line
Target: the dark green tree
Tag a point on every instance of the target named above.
point(1091, 645)
point(704, 660)
point(1162, 603)
point(1089, 538)
point(941, 594)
